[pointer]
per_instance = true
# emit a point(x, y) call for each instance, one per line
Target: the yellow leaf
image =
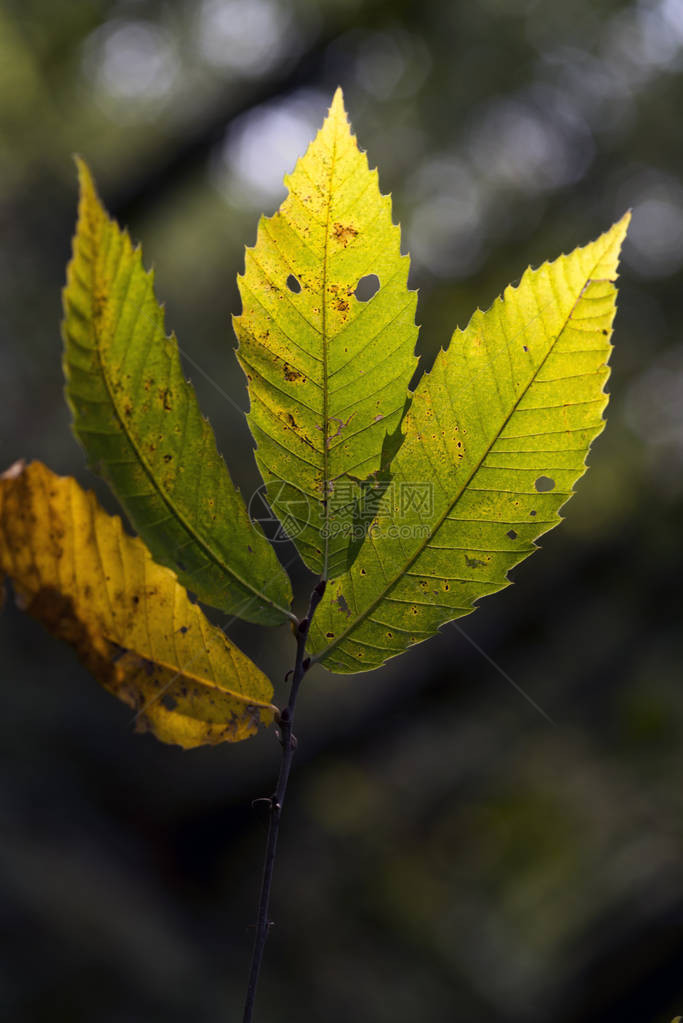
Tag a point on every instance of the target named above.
point(328, 368)
point(75, 569)
point(495, 440)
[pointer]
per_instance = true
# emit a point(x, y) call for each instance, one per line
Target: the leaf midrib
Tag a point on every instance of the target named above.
point(449, 508)
point(191, 676)
point(325, 388)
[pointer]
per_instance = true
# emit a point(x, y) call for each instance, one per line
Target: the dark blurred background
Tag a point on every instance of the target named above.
point(447, 854)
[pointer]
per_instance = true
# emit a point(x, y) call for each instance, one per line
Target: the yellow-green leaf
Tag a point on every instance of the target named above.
point(327, 371)
point(495, 439)
point(75, 569)
point(139, 421)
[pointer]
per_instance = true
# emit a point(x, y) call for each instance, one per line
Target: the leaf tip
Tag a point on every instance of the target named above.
point(611, 243)
point(337, 111)
point(621, 226)
point(85, 177)
point(91, 211)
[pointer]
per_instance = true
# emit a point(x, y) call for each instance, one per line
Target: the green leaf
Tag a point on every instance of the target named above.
point(327, 372)
point(138, 419)
point(74, 569)
point(496, 437)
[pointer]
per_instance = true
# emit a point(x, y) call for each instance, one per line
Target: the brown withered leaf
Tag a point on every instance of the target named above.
point(75, 570)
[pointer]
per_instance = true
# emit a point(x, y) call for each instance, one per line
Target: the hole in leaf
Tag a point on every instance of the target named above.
point(367, 287)
point(294, 284)
point(544, 483)
point(511, 533)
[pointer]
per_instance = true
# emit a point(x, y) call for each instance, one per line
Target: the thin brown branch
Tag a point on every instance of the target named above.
point(289, 743)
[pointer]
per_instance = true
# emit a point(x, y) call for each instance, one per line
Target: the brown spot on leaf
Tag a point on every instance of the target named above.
point(293, 374)
point(340, 294)
point(344, 233)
